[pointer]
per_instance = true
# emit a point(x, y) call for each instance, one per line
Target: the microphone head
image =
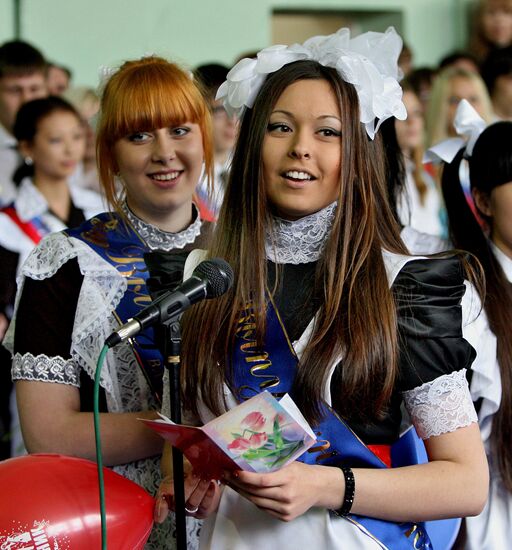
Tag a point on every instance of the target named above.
point(217, 274)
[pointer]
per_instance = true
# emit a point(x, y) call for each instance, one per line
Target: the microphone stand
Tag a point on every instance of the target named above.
point(172, 362)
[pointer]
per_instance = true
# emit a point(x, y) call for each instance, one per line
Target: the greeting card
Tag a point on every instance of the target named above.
point(261, 435)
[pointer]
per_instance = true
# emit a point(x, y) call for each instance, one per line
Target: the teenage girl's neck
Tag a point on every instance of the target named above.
point(56, 192)
point(171, 221)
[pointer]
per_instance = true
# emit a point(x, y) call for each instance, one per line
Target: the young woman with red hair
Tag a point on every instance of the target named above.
point(154, 140)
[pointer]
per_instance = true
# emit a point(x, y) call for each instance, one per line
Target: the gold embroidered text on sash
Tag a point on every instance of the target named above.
point(255, 357)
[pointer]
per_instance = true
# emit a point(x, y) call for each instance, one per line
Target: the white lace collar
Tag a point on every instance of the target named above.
point(299, 241)
point(157, 239)
point(29, 202)
point(504, 260)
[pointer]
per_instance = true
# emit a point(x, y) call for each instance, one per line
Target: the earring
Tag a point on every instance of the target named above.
point(28, 161)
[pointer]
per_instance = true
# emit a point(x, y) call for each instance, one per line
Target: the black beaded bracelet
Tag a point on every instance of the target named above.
point(350, 490)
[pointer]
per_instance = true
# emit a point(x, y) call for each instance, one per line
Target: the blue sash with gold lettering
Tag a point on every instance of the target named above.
point(273, 368)
point(119, 245)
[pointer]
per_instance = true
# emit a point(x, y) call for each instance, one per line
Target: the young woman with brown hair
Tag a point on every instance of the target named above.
point(314, 247)
point(154, 134)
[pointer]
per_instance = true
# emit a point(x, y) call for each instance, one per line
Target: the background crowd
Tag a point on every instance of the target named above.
point(49, 177)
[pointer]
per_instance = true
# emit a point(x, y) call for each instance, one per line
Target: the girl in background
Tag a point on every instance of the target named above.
point(450, 87)
point(52, 141)
point(420, 205)
point(490, 171)
point(492, 27)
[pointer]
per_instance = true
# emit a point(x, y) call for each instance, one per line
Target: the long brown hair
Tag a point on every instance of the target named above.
point(357, 316)
point(490, 166)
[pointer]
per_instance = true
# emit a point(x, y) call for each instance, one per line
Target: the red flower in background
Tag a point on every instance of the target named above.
point(254, 421)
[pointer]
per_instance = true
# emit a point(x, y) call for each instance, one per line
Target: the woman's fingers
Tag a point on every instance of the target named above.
point(164, 500)
point(165, 496)
point(210, 500)
point(194, 498)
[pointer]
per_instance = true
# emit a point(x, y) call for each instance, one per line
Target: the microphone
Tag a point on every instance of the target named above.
point(210, 279)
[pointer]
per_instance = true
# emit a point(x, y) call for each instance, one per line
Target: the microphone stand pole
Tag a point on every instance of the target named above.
point(172, 361)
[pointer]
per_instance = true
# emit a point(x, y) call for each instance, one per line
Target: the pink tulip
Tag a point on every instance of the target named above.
point(239, 445)
point(258, 440)
point(254, 421)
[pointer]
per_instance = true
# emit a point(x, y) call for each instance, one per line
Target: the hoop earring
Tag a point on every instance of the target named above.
point(28, 161)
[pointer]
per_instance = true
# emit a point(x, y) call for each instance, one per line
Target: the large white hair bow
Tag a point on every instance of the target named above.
point(369, 62)
point(469, 125)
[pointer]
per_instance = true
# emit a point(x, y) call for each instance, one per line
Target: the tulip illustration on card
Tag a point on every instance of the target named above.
point(261, 434)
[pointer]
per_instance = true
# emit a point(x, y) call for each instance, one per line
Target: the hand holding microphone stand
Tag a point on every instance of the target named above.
point(210, 279)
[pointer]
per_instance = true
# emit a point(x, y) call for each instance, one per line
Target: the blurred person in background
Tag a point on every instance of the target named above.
point(58, 79)
point(461, 60)
point(421, 81)
point(492, 27)
point(225, 128)
point(87, 102)
point(420, 205)
point(450, 87)
point(497, 75)
point(51, 139)
point(22, 78)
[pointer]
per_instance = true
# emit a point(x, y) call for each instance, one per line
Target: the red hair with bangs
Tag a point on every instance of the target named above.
point(143, 95)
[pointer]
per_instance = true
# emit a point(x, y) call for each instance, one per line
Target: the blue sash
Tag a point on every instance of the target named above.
point(273, 368)
point(119, 245)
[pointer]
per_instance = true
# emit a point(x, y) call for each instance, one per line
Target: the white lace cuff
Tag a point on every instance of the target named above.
point(42, 368)
point(442, 405)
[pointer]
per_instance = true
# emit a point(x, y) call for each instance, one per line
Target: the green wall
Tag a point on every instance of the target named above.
point(87, 34)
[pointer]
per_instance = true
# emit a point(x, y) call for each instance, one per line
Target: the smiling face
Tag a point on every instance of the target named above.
point(160, 170)
point(302, 150)
point(58, 146)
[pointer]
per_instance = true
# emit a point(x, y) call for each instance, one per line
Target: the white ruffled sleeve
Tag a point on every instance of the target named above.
point(102, 289)
point(440, 406)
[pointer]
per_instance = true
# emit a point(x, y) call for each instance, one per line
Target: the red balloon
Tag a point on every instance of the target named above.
point(50, 502)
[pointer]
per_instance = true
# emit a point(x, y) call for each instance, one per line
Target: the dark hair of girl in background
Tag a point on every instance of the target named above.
point(490, 166)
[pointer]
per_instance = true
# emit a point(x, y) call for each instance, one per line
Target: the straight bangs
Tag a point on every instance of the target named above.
point(157, 98)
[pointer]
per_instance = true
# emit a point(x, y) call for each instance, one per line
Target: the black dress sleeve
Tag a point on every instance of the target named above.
point(45, 319)
point(428, 295)
point(46, 313)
